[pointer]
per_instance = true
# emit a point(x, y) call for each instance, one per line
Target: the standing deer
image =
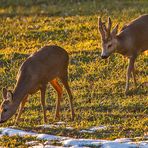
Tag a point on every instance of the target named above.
point(46, 65)
point(132, 40)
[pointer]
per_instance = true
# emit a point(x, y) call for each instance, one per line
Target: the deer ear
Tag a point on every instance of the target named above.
point(115, 31)
point(4, 93)
point(9, 96)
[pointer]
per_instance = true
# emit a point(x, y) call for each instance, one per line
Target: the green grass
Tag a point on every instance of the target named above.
point(97, 85)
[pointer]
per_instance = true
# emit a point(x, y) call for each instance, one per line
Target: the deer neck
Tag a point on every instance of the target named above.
point(125, 44)
point(121, 46)
point(19, 94)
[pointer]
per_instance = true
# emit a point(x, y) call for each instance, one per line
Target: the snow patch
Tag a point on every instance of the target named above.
point(48, 126)
point(49, 137)
point(21, 133)
point(103, 143)
point(32, 143)
point(94, 129)
point(69, 128)
point(86, 131)
point(57, 125)
point(46, 146)
point(60, 123)
point(83, 142)
point(74, 143)
point(13, 132)
point(123, 140)
point(118, 145)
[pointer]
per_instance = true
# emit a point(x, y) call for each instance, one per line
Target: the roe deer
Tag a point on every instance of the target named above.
point(46, 65)
point(132, 40)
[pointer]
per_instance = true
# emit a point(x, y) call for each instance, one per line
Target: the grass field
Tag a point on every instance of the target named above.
point(97, 85)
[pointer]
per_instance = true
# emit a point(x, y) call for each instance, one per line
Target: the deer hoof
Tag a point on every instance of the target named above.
point(45, 121)
point(57, 117)
point(73, 118)
point(126, 92)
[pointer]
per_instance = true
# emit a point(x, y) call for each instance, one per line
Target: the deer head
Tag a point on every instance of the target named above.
point(109, 38)
point(7, 108)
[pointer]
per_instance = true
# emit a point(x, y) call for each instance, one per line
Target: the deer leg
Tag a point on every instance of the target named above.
point(21, 109)
point(64, 80)
point(58, 88)
point(43, 90)
point(134, 77)
point(129, 70)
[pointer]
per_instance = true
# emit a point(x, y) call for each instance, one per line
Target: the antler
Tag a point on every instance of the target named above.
point(109, 26)
point(101, 26)
point(105, 31)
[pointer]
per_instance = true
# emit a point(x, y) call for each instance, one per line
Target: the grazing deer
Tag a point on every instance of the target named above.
point(46, 65)
point(132, 40)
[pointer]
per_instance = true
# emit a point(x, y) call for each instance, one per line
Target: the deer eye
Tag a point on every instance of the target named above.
point(110, 45)
point(4, 109)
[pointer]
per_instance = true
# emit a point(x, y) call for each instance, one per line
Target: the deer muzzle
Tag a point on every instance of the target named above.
point(2, 121)
point(104, 57)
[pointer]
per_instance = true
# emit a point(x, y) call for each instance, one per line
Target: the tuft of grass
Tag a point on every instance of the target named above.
point(97, 85)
